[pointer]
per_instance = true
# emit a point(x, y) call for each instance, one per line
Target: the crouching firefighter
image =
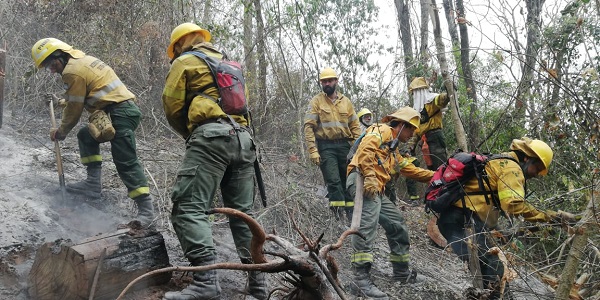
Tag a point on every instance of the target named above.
point(93, 85)
point(376, 157)
point(503, 193)
point(220, 153)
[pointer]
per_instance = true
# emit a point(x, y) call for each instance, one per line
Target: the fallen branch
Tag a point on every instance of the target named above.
point(313, 271)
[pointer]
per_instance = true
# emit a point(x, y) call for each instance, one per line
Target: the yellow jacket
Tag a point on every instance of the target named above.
point(189, 74)
point(90, 84)
point(508, 182)
point(373, 158)
point(434, 110)
point(330, 121)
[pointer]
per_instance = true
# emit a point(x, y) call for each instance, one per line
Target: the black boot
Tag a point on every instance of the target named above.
point(91, 186)
point(403, 274)
point(145, 209)
point(363, 286)
point(204, 287)
point(257, 285)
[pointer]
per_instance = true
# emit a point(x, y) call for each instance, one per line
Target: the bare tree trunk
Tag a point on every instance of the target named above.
point(249, 54)
point(580, 241)
point(2, 68)
point(406, 38)
point(534, 9)
point(207, 12)
point(465, 62)
point(262, 60)
point(423, 55)
point(450, 15)
point(461, 139)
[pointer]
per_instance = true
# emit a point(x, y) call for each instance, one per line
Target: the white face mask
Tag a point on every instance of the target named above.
point(422, 97)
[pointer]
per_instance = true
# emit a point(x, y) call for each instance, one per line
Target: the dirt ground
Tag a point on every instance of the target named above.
point(32, 214)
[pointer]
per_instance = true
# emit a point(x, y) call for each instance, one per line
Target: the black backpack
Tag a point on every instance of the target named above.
point(229, 80)
point(447, 184)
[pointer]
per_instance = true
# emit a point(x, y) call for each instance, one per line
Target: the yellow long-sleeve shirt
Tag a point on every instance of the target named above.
point(329, 120)
point(90, 84)
point(507, 180)
point(184, 108)
point(373, 158)
point(434, 110)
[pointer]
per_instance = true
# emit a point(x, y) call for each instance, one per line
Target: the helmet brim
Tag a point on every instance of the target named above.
point(204, 32)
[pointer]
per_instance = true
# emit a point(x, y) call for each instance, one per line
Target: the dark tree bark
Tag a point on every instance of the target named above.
point(423, 55)
point(102, 265)
point(534, 9)
point(465, 61)
point(249, 51)
point(406, 37)
point(459, 131)
point(262, 59)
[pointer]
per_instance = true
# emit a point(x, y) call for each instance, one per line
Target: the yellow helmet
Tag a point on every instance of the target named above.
point(183, 29)
point(406, 114)
point(44, 47)
point(362, 112)
point(327, 73)
point(534, 148)
point(418, 83)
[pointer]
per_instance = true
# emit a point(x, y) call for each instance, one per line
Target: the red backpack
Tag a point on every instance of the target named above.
point(447, 184)
point(229, 80)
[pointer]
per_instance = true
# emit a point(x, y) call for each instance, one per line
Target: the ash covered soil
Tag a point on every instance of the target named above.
point(32, 213)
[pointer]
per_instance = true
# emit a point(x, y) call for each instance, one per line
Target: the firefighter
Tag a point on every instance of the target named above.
point(527, 159)
point(92, 85)
point(376, 157)
point(431, 106)
point(220, 153)
point(330, 128)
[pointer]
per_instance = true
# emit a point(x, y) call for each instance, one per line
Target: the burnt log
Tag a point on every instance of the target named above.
point(98, 267)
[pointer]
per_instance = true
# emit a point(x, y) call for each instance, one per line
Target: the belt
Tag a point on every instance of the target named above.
point(213, 120)
point(336, 141)
point(110, 107)
point(433, 131)
point(220, 121)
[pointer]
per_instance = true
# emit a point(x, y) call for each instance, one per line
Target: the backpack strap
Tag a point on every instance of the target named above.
point(483, 177)
point(200, 92)
point(425, 116)
point(205, 57)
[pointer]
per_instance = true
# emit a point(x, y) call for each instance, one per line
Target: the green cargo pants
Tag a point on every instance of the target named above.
point(216, 156)
point(125, 118)
point(437, 148)
point(379, 210)
point(452, 226)
point(333, 166)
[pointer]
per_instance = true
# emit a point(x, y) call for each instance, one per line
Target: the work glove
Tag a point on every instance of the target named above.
point(60, 102)
point(315, 158)
point(55, 135)
point(371, 187)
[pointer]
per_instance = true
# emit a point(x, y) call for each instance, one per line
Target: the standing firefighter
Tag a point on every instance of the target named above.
point(93, 85)
point(330, 128)
point(376, 157)
point(528, 159)
point(433, 146)
point(220, 152)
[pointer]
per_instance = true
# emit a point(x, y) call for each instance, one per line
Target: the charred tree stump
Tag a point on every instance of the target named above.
point(100, 266)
